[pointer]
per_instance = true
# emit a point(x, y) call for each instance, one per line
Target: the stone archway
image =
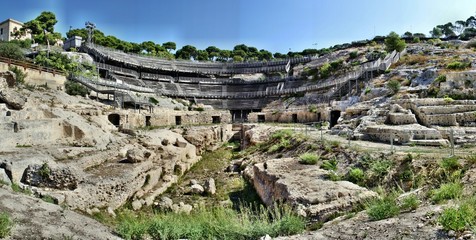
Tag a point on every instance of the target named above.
point(115, 119)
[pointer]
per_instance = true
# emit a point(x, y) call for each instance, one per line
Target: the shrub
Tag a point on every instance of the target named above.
point(5, 225)
point(330, 165)
point(380, 167)
point(447, 191)
point(459, 218)
point(356, 175)
point(393, 85)
point(153, 100)
point(409, 203)
point(74, 88)
point(353, 54)
point(312, 108)
point(44, 171)
point(325, 70)
point(416, 40)
point(11, 50)
point(309, 158)
point(456, 65)
point(450, 163)
point(383, 208)
point(19, 74)
point(440, 78)
point(394, 42)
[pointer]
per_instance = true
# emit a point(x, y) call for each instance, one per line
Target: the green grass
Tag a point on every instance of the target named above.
point(309, 158)
point(450, 163)
point(382, 208)
point(459, 218)
point(215, 223)
point(48, 199)
point(356, 175)
point(380, 168)
point(409, 203)
point(5, 225)
point(18, 189)
point(447, 191)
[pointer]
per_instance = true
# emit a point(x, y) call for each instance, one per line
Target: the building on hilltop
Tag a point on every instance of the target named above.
point(9, 27)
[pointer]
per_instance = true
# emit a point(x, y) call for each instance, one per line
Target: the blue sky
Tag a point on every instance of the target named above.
point(275, 25)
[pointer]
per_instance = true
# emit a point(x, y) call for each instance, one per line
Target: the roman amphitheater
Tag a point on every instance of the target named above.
point(156, 136)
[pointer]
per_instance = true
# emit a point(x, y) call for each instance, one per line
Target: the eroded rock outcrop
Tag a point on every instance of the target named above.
point(8, 95)
point(62, 178)
point(306, 187)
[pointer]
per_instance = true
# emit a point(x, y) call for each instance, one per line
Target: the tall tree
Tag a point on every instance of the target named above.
point(186, 52)
point(437, 32)
point(170, 46)
point(44, 22)
point(394, 42)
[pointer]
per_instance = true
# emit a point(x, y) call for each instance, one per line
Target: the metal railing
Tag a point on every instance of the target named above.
point(29, 65)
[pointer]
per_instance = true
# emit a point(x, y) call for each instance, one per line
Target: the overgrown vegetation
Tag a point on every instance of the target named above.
point(382, 208)
point(74, 88)
point(20, 75)
point(214, 223)
point(5, 225)
point(394, 42)
point(459, 218)
point(457, 65)
point(393, 85)
point(11, 50)
point(309, 158)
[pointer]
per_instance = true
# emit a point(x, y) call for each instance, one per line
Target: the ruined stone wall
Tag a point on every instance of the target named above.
point(165, 117)
point(36, 77)
point(302, 116)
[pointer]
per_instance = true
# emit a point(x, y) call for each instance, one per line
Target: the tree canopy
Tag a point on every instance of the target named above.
point(46, 21)
point(394, 42)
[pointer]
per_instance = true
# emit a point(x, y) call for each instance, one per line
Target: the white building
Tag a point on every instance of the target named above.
point(8, 29)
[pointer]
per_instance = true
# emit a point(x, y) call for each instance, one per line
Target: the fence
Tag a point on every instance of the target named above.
point(29, 65)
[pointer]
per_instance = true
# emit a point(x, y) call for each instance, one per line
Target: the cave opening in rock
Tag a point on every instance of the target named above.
point(115, 119)
point(8, 114)
point(295, 118)
point(178, 120)
point(335, 115)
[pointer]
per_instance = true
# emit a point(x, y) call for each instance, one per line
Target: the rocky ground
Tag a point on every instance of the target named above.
point(65, 149)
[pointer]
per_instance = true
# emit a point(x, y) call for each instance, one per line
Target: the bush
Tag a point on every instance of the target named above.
point(450, 163)
point(5, 225)
point(394, 42)
point(309, 158)
point(330, 165)
point(447, 191)
point(456, 65)
point(410, 203)
point(393, 85)
point(153, 100)
point(356, 175)
point(325, 70)
point(74, 88)
point(459, 218)
point(380, 167)
point(416, 40)
point(11, 50)
point(216, 223)
point(19, 74)
point(440, 78)
point(353, 54)
point(383, 208)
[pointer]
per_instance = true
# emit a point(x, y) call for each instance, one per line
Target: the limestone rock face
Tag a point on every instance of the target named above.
point(197, 189)
point(206, 138)
point(306, 187)
point(45, 176)
point(13, 99)
point(137, 155)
